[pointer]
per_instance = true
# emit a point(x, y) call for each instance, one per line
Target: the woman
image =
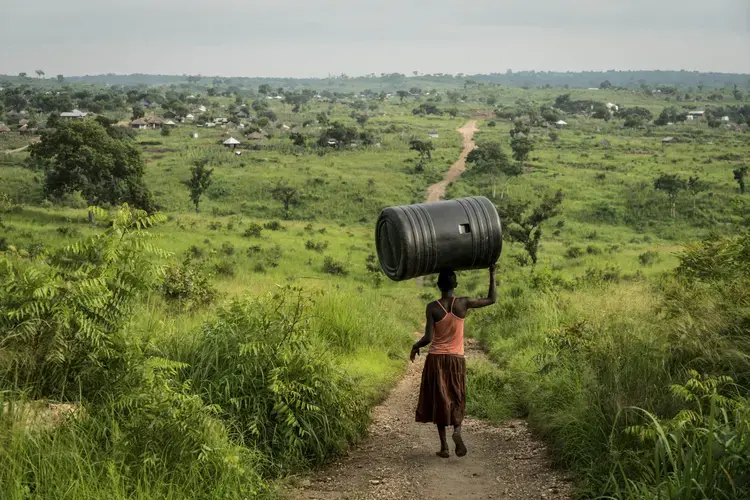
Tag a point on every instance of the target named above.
point(442, 394)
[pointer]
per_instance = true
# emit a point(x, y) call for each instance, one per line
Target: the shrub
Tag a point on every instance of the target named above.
point(319, 247)
point(649, 258)
point(215, 226)
point(333, 267)
point(574, 252)
point(227, 248)
point(188, 284)
point(282, 392)
point(274, 226)
point(224, 267)
point(253, 230)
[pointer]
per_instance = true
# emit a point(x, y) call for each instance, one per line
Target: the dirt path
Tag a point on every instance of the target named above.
point(398, 459)
point(437, 191)
point(22, 148)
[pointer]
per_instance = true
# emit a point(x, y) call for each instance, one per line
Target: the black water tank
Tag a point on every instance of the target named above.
point(426, 238)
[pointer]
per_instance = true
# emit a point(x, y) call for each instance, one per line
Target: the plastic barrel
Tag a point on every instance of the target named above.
point(426, 238)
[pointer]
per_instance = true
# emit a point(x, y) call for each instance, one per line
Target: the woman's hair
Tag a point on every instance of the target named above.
point(447, 281)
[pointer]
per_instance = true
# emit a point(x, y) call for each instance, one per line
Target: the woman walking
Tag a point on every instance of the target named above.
point(442, 394)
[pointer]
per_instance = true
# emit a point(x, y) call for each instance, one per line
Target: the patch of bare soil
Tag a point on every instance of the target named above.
point(398, 459)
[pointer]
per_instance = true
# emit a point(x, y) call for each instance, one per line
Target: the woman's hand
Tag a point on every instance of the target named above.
point(414, 352)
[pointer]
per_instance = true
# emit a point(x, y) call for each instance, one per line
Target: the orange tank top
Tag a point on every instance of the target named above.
point(448, 333)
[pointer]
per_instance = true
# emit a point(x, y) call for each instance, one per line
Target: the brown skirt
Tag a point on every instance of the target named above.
point(442, 394)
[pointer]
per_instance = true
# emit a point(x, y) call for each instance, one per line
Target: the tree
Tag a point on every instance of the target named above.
point(138, 111)
point(670, 115)
point(453, 112)
point(489, 158)
point(525, 228)
point(402, 94)
point(322, 119)
point(297, 139)
point(606, 84)
point(264, 89)
point(39, 73)
point(165, 131)
point(739, 176)
point(424, 148)
point(520, 142)
point(199, 182)
point(22, 75)
point(288, 195)
point(671, 184)
point(361, 119)
point(82, 156)
point(635, 116)
point(60, 78)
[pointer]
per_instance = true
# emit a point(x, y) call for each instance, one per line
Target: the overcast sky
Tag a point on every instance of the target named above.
point(315, 38)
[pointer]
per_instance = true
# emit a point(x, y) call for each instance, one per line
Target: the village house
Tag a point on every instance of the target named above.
point(138, 123)
point(696, 114)
point(231, 142)
point(75, 114)
point(561, 123)
point(155, 122)
point(4, 129)
point(190, 117)
point(202, 108)
point(433, 134)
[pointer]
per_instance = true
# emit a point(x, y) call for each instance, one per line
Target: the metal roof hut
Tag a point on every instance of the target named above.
point(231, 142)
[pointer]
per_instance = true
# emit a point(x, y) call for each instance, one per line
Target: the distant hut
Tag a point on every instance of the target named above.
point(4, 129)
point(256, 136)
point(155, 122)
point(725, 118)
point(433, 134)
point(231, 142)
point(76, 114)
point(190, 117)
point(561, 123)
point(170, 123)
point(138, 123)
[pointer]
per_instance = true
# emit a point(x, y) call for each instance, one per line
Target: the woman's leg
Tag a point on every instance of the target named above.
point(443, 442)
point(459, 441)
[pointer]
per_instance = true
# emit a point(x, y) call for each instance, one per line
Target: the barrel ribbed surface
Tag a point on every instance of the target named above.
point(426, 238)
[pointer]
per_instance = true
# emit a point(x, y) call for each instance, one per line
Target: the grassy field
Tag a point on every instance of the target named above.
point(185, 319)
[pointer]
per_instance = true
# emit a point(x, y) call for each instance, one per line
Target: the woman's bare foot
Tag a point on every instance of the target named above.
point(460, 446)
point(443, 453)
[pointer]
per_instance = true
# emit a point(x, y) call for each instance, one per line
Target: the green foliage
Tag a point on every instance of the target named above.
point(331, 266)
point(739, 176)
point(199, 182)
point(520, 142)
point(188, 285)
point(62, 317)
point(489, 159)
point(424, 148)
point(288, 195)
point(279, 390)
point(82, 156)
point(524, 227)
point(253, 230)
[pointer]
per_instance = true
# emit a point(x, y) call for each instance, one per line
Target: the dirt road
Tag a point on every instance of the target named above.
point(437, 191)
point(398, 459)
point(22, 148)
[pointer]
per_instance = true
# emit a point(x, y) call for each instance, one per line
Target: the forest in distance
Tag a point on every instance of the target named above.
point(191, 303)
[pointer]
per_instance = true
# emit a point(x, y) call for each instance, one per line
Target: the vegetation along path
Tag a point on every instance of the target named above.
point(398, 460)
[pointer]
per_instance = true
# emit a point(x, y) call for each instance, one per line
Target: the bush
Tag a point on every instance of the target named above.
point(274, 226)
point(224, 267)
point(215, 226)
point(253, 230)
point(227, 248)
point(188, 284)
point(333, 267)
point(574, 252)
point(319, 247)
point(649, 258)
point(281, 391)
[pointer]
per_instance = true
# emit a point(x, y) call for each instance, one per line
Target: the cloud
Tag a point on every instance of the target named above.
point(296, 37)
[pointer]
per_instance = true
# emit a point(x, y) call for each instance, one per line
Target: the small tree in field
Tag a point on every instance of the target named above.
point(402, 94)
point(671, 184)
point(199, 181)
point(524, 227)
point(520, 142)
point(694, 186)
point(424, 148)
point(739, 176)
point(288, 195)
